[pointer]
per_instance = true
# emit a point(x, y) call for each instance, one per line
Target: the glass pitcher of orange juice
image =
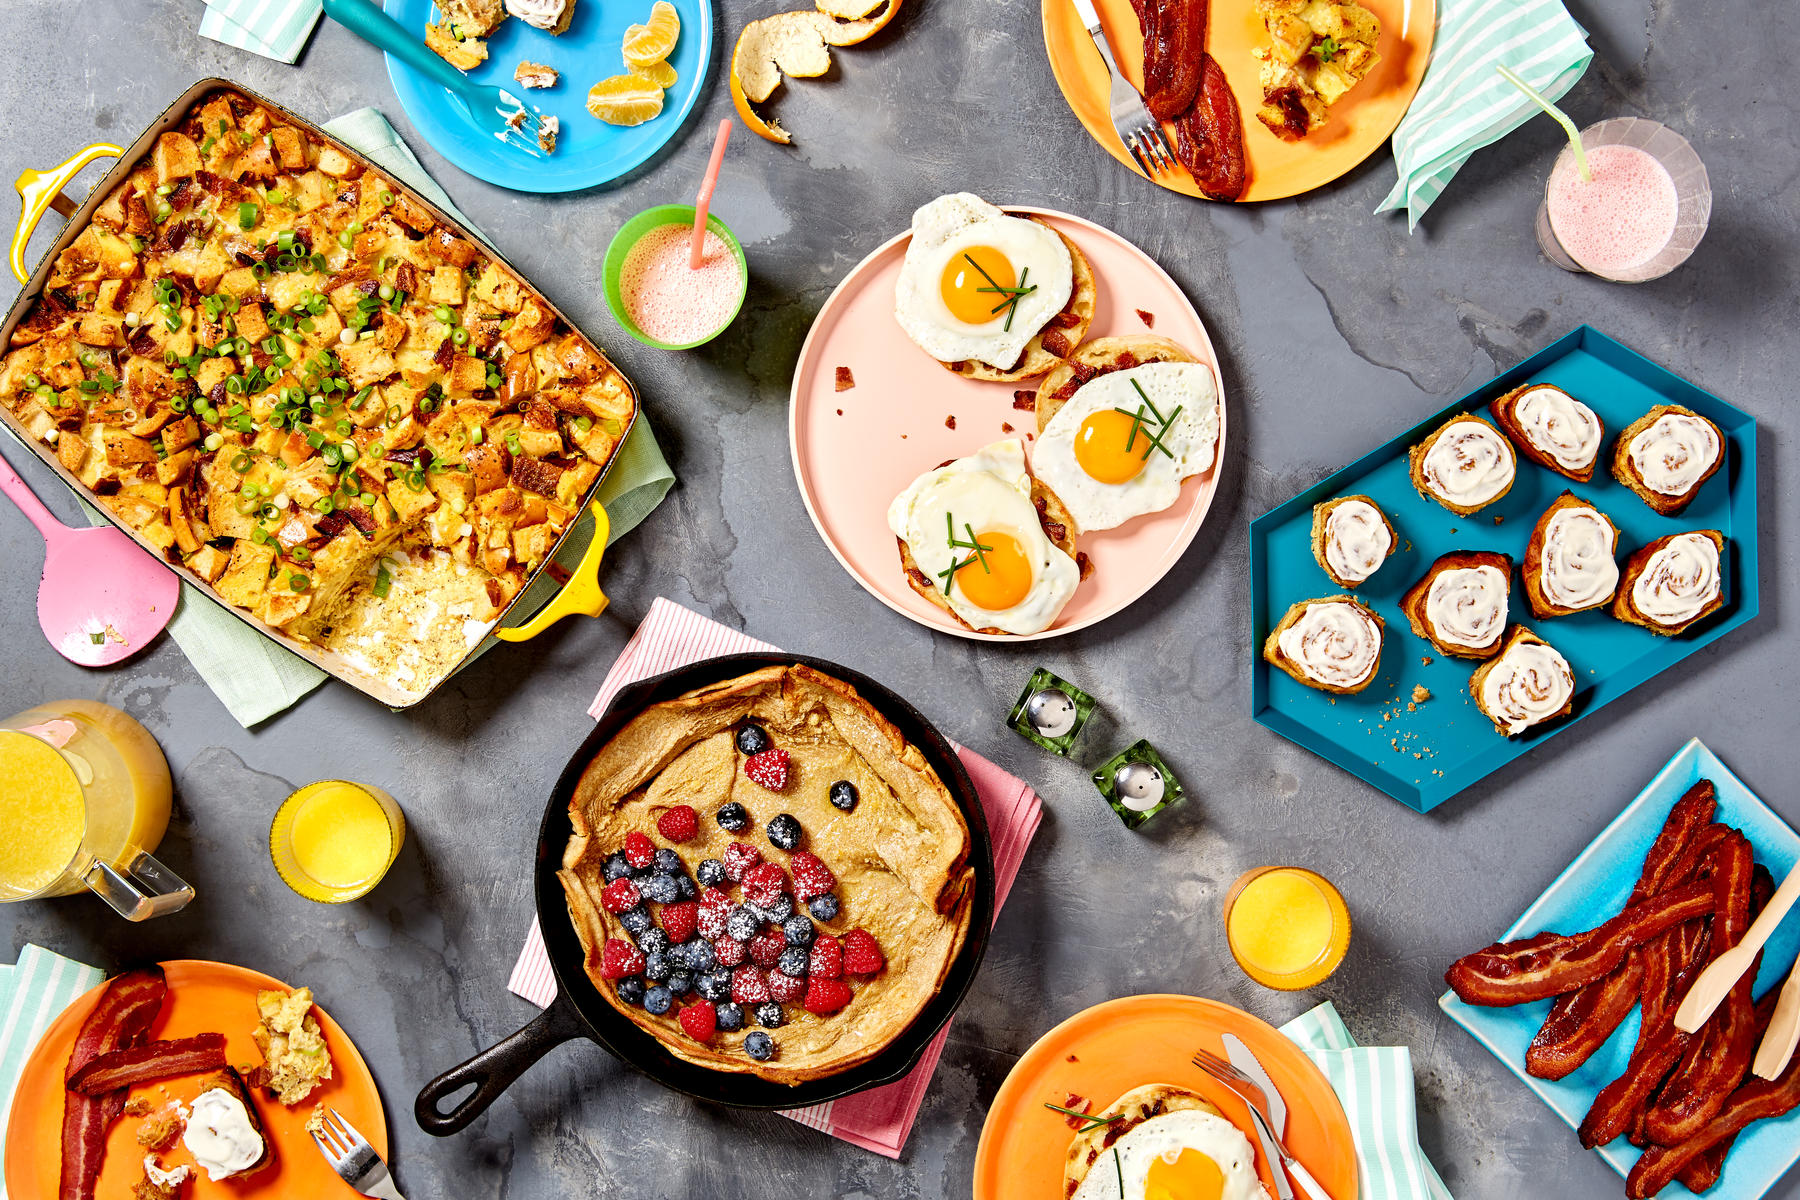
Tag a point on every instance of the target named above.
point(84, 799)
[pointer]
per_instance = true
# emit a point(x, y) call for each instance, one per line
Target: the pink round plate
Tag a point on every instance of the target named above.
point(855, 450)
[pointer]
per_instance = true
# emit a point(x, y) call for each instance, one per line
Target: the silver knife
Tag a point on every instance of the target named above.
point(1241, 1058)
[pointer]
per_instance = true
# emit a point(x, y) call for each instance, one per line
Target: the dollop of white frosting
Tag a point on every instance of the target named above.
point(542, 14)
point(1578, 569)
point(1559, 425)
point(220, 1135)
point(1468, 463)
point(1357, 540)
point(1466, 606)
point(1674, 452)
point(1679, 580)
point(169, 1179)
point(1529, 683)
point(1334, 642)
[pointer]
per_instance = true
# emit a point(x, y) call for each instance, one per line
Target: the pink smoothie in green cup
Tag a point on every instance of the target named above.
point(654, 292)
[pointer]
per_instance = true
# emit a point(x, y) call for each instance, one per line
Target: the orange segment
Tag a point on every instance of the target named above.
point(653, 41)
point(625, 100)
point(659, 73)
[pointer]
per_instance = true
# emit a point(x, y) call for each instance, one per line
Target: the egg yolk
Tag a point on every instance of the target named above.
point(963, 280)
point(1192, 1176)
point(1100, 447)
point(1004, 579)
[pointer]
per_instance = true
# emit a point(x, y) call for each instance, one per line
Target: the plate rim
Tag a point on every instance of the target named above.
point(808, 350)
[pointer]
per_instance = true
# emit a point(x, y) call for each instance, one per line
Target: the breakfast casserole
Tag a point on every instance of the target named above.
point(293, 379)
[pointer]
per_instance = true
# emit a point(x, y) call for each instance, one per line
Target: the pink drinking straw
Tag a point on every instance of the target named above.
point(697, 246)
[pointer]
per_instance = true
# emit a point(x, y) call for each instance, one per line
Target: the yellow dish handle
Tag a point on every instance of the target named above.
point(39, 191)
point(581, 596)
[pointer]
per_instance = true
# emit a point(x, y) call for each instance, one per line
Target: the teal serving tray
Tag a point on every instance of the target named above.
point(1425, 755)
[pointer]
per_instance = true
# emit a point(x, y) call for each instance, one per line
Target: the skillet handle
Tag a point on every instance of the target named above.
point(581, 596)
point(494, 1070)
point(40, 191)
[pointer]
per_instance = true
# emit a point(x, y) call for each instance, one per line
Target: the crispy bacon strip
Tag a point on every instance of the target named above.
point(122, 1018)
point(1174, 43)
point(1703, 1172)
point(1209, 137)
point(151, 1061)
point(1550, 964)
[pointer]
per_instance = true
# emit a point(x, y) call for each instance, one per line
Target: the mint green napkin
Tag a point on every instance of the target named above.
point(276, 29)
point(1465, 104)
point(1375, 1086)
point(33, 994)
point(254, 677)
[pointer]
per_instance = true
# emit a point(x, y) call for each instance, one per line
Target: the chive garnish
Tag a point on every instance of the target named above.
point(948, 574)
point(1120, 1170)
point(1090, 1118)
point(1013, 294)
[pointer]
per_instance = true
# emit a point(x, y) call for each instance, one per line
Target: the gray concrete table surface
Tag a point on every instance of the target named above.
point(1336, 329)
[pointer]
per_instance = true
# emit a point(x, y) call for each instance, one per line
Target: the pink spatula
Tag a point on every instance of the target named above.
point(102, 598)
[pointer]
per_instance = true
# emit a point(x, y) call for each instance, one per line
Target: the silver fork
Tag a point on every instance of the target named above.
point(351, 1156)
point(1253, 1098)
point(1135, 126)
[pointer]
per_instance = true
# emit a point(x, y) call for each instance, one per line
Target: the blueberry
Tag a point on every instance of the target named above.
point(731, 1016)
point(742, 923)
point(759, 1046)
point(799, 932)
point(631, 991)
point(784, 832)
point(770, 1015)
point(668, 862)
point(793, 961)
point(714, 985)
point(662, 889)
point(657, 967)
point(752, 739)
point(776, 913)
point(823, 908)
point(843, 795)
point(699, 956)
point(680, 982)
point(617, 867)
point(711, 872)
point(733, 817)
point(653, 941)
point(636, 921)
point(684, 887)
point(657, 1000)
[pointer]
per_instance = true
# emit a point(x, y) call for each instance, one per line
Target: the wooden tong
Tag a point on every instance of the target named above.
point(1784, 1027)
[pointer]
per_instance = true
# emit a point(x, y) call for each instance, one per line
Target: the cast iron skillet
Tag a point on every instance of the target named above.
point(579, 1011)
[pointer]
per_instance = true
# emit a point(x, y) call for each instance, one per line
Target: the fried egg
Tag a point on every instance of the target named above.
point(964, 258)
point(1183, 1155)
point(974, 532)
point(1124, 442)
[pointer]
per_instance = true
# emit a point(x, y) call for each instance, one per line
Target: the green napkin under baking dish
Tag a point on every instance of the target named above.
point(254, 677)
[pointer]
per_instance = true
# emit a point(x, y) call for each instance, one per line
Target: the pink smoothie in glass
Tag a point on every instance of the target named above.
point(672, 302)
point(1620, 218)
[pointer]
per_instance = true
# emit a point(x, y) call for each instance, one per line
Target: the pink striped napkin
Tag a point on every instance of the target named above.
point(881, 1118)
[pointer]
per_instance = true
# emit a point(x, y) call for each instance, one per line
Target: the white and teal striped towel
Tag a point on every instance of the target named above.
point(32, 995)
point(1465, 104)
point(1375, 1085)
point(276, 29)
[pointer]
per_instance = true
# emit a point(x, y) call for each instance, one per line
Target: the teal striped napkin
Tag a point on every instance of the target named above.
point(1375, 1086)
point(276, 29)
point(1464, 104)
point(253, 676)
point(33, 994)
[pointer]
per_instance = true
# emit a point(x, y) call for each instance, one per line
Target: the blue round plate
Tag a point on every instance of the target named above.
point(588, 152)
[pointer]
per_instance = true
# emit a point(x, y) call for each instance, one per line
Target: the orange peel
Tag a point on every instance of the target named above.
point(798, 45)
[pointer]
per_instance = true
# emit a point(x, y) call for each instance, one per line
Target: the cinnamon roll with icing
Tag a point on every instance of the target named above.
point(1673, 582)
point(1332, 644)
point(1460, 604)
point(1465, 465)
point(1666, 455)
point(1569, 564)
point(1528, 684)
point(1552, 428)
point(1351, 538)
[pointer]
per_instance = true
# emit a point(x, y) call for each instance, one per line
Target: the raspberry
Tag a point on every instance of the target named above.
point(739, 858)
point(730, 952)
point(619, 895)
point(619, 958)
point(785, 988)
point(640, 851)
point(679, 824)
point(679, 920)
point(770, 769)
point(861, 954)
point(715, 906)
point(826, 960)
point(766, 948)
point(811, 876)
point(764, 884)
point(749, 986)
point(825, 996)
point(699, 1021)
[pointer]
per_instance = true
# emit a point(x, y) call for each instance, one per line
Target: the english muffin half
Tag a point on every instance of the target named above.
point(1102, 356)
point(1135, 1107)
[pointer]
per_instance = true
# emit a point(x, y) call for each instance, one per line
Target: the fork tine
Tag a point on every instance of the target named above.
point(344, 1129)
point(1159, 147)
point(327, 1147)
point(514, 137)
point(1140, 156)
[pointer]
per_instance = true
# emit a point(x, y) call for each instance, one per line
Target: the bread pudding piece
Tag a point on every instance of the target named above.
point(295, 1059)
point(1318, 51)
point(535, 75)
point(465, 53)
point(472, 18)
point(160, 1127)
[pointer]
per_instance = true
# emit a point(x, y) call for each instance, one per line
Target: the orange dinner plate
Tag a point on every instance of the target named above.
point(1360, 122)
point(203, 996)
point(1105, 1051)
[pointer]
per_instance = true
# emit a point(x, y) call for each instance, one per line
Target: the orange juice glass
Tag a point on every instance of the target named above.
point(332, 841)
point(1287, 927)
point(84, 800)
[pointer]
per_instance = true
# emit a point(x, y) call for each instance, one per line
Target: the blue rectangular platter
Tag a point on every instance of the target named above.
point(1426, 755)
point(1594, 887)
